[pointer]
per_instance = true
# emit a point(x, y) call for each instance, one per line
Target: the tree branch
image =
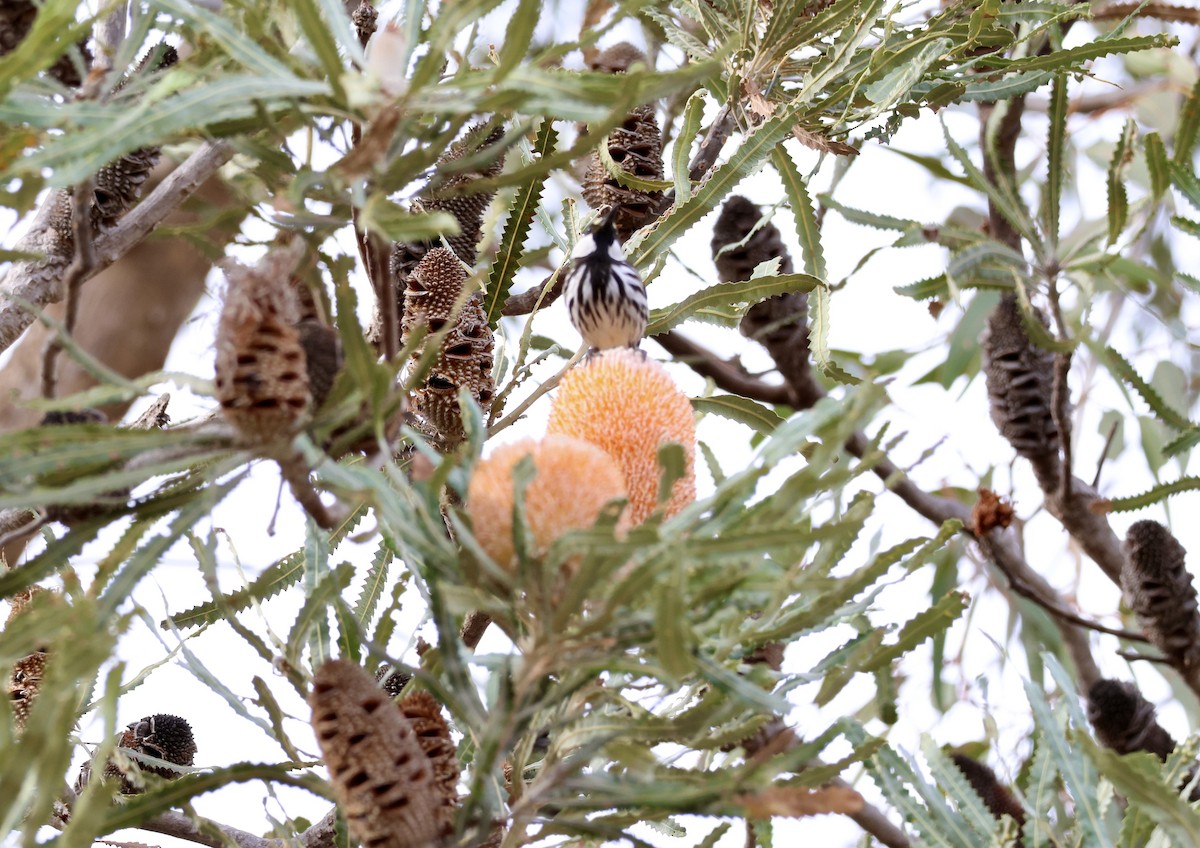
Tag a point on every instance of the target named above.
point(38, 281)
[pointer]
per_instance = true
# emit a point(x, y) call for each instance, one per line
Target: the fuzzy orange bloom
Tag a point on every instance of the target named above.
point(630, 407)
point(573, 483)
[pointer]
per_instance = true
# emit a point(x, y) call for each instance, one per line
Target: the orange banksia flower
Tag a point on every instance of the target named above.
point(574, 481)
point(383, 780)
point(261, 373)
point(629, 406)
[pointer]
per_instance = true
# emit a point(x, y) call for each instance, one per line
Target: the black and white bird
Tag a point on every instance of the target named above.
point(606, 297)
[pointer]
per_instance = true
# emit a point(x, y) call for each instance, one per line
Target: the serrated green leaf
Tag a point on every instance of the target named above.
point(1118, 201)
point(1184, 179)
point(54, 30)
point(645, 248)
point(1055, 154)
point(1124, 371)
point(1157, 164)
point(375, 586)
point(803, 213)
point(395, 223)
point(925, 289)
point(761, 418)
point(1079, 775)
point(1187, 128)
point(516, 229)
point(625, 178)
point(1148, 498)
point(921, 627)
point(681, 149)
point(319, 36)
point(517, 35)
point(274, 579)
point(313, 618)
point(1186, 225)
point(726, 303)
point(818, 337)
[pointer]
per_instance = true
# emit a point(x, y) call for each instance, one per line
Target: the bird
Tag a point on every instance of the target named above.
point(606, 298)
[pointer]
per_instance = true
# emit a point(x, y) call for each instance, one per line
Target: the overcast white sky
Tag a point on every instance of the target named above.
point(867, 317)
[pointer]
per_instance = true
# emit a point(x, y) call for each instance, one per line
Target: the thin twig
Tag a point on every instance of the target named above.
point(1056, 609)
point(1134, 656)
point(82, 263)
point(1108, 440)
point(1061, 392)
point(545, 387)
point(296, 472)
point(726, 374)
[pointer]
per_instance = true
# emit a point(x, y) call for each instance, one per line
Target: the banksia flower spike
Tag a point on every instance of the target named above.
point(383, 780)
point(779, 323)
point(162, 736)
point(629, 406)
point(1160, 591)
point(1125, 721)
point(635, 146)
point(261, 374)
point(465, 355)
point(1019, 377)
point(574, 480)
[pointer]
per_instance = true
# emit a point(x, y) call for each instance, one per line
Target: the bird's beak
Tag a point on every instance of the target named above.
point(610, 218)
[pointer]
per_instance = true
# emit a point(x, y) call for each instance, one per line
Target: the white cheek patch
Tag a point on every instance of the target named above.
point(615, 252)
point(584, 247)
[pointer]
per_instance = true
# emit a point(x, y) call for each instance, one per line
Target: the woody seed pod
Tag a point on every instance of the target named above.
point(118, 185)
point(1019, 379)
point(261, 372)
point(636, 148)
point(433, 735)
point(995, 795)
point(779, 323)
point(1161, 593)
point(465, 356)
point(23, 685)
point(1125, 721)
point(383, 780)
point(162, 736)
point(449, 195)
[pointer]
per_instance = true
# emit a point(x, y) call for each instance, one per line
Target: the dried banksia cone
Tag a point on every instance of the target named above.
point(261, 373)
point(629, 406)
point(574, 480)
point(162, 736)
point(322, 357)
point(383, 780)
point(465, 354)
point(23, 685)
point(616, 59)
point(636, 148)
point(779, 323)
point(995, 795)
point(117, 186)
point(450, 195)
point(1019, 377)
point(392, 680)
point(20, 600)
point(1160, 591)
point(433, 735)
point(1125, 721)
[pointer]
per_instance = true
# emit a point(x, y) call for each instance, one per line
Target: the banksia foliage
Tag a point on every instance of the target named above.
point(1019, 378)
point(23, 685)
point(383, 780)
point(75, 513)
point(629, 406)
point(779, 323)
point(261, 373)
point(995, 795)
point(118, 185)
point(465, 355)
point(1161, 592)
point(1125, 721)
point(162, 736)
point(635, 146)
point(574, 480)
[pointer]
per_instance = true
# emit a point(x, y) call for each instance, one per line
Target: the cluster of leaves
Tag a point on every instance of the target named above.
point(638, 677)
